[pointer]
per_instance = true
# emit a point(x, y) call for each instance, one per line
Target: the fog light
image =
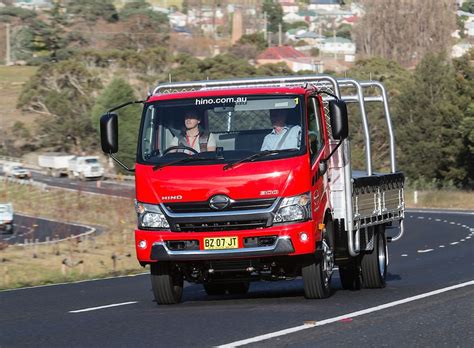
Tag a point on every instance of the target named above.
point(142, 244)
point(304, 237)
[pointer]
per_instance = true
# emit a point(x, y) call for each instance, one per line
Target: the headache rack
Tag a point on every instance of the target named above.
point(347, 196)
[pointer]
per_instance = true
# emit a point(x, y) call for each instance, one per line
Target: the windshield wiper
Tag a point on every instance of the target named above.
point(256, 156)
point(181, 160)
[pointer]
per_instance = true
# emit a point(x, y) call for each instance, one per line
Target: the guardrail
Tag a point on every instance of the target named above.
point(40, 185)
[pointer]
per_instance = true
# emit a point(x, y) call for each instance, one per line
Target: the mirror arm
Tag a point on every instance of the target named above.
point(125, 104)
point(332, 152)
point(121, 164)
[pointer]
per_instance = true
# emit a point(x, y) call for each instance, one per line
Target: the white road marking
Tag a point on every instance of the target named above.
point(441, 246)
point(404, 255)
point(421, 217)
point(454, 243)
point(313, 324)
point(425, 251)
point(103, 307)
point(468, 237)
point(452, 223)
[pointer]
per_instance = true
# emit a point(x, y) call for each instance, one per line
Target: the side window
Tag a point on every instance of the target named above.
point(315, 129)
point(147, 138)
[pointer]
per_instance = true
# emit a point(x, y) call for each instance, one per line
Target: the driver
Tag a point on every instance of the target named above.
point(193, 136)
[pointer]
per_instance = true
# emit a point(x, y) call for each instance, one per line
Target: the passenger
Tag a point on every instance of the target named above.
point(194, 136)
point(282, 136)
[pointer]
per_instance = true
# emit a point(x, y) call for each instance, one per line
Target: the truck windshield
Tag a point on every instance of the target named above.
point(91, 160)
point(221, 129)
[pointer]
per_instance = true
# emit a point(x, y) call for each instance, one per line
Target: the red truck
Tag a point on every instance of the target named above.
point(229, 191)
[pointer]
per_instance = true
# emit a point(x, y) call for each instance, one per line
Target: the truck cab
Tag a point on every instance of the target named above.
point(268, 194)
point(85, 167)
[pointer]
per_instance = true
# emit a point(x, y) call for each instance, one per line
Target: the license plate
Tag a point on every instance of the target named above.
point(221, 243)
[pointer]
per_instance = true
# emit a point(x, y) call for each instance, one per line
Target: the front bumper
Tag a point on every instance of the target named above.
point(160, 251)
point(152, 246)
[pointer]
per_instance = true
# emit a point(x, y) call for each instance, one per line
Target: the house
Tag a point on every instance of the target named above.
point(467, 15)
point(470, 29)
point(338, 46)
point(310, 37)
point(460, 49)
point(294, 59)
point(177, 19)
point(292, 18)
point(324, 5)
point(33, 4)
point(289, 7)
point(350, 20)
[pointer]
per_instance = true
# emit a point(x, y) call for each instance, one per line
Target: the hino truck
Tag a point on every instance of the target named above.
point(245, 204)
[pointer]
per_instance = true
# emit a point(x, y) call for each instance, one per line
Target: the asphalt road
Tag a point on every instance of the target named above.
point(33, 228)
point(434, 261)
point(107, 187)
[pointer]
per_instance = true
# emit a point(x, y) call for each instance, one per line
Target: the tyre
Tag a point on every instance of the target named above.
point(318, 272)
point(214, 288)
point(350, 275)
point(374, 263)
point(166, 282)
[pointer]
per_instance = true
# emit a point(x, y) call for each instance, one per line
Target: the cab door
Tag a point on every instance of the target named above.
point(316, 144)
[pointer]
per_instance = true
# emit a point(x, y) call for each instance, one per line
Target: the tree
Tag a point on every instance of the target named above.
point(277, 69)
point(63, 94)
point(92, 10)
point(395, 79)
point(142, 27)
point(405, 30)
point(249, 46)
point(218, 67)
point(117, 92)
point(429, 135)
point(465, 91)
point(468, 6)
point(274, 15)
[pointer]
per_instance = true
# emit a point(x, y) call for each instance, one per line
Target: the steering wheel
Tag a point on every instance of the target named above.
point(180, 147)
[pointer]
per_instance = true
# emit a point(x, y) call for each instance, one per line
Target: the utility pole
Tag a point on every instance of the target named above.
point(279, 34)
point(7, 51)
point(265, 25)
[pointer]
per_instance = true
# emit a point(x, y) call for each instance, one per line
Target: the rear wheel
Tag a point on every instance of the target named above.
point(374, 263)
point(166, 282)
point(317, 273)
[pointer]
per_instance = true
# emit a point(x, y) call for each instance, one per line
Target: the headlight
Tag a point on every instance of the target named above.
point(150, 216)
point(296, 208)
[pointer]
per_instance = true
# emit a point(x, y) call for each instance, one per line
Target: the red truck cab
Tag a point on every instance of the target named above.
point(241, 196)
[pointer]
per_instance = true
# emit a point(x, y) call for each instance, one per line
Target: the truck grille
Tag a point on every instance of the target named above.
point(220, 226)
point(203, 207)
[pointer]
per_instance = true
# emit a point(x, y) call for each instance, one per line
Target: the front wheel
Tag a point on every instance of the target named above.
point(374, 264)
point(166, 282)
point(318, 272)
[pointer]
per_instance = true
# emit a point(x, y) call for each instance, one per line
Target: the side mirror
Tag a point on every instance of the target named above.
point(339, 121)
point(109, 133)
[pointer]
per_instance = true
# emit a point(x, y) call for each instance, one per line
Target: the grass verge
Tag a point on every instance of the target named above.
point(104, 254)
